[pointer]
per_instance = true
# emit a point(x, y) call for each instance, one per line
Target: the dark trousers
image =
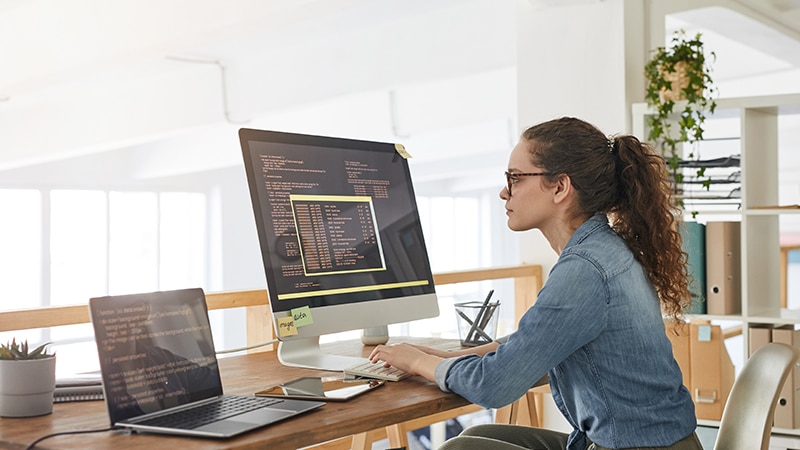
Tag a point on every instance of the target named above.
point(517, 437)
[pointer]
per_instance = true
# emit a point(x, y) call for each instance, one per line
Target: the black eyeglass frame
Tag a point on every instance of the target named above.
point(511, 175)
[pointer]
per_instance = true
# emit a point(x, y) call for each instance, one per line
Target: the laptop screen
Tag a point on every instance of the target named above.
point(156, 351)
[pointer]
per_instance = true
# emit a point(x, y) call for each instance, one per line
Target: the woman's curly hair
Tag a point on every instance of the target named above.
point(628, 181)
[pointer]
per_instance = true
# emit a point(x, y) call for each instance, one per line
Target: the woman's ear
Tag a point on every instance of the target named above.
point(563, 189)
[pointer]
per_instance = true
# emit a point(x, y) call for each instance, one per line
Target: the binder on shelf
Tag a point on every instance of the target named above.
point(787, 411)
point(759, 335)
point(711, 372)
point(693, 236)
point(723, 268)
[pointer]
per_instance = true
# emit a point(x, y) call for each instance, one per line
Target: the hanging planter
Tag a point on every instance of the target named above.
point(681, 93)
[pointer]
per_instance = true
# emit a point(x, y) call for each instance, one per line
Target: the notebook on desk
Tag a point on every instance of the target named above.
point(78, 388)
point(160, 371)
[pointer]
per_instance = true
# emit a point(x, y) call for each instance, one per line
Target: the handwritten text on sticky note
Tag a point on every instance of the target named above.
point(302, 316)
point(286, 327)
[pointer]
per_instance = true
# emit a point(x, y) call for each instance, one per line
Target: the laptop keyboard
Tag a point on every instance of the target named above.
point(221, 408)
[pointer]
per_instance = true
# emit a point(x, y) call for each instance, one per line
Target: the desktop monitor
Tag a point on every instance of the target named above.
point(340, 236)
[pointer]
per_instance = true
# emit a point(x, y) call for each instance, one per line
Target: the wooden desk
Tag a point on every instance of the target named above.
point(393, 403)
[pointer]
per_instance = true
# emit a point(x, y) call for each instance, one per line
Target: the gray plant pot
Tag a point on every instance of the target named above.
point(26, 387)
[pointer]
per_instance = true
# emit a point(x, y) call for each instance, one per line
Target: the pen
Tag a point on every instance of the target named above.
point(487, 317)
point(478, 330)
point(479, 317)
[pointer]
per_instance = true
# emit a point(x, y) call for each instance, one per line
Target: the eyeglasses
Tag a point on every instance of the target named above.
point(511, 178)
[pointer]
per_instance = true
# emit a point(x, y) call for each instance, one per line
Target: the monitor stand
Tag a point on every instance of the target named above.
point(306, 353)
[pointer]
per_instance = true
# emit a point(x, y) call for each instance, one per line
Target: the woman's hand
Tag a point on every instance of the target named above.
point(419, 359)
point(408, 358)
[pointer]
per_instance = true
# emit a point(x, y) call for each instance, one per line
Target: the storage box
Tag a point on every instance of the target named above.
point(679, 337)
point(711, 370)
point(787, 411)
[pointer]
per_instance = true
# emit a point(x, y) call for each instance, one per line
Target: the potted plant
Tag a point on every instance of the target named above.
point(27, 380)
point(681, 93)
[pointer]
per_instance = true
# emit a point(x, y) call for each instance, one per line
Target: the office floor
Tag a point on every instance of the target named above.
point(708, 436)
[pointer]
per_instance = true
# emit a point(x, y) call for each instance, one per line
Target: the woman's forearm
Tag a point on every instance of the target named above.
point(463, 351)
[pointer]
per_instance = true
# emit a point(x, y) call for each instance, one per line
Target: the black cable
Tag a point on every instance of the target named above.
point(241, 349)
point(33, 444)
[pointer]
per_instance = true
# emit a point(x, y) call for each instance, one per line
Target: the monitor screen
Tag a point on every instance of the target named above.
point(340, 235)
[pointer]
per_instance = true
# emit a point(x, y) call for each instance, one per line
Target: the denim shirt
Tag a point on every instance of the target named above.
point(596, 329)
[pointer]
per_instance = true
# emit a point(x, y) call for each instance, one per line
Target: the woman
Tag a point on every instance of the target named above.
point(596, 328)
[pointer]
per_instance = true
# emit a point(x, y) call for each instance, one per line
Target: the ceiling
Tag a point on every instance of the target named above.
point(135, 85)
point(93, 76)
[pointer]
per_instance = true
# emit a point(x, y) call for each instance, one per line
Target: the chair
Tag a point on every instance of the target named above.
point(747, 417)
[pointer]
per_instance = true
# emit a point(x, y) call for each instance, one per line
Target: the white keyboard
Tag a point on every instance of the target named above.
point(375, 370)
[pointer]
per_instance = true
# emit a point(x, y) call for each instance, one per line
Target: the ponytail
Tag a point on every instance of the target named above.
point(645, 217)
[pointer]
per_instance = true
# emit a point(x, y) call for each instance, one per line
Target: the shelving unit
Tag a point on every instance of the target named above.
point(756, 120)
point(723, 175)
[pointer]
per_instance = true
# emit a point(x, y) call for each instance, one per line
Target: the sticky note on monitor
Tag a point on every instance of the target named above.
point(401, 150)
point(302, 316)
point(286, 327)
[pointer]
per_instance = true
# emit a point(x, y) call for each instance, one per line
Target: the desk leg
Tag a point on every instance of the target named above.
point(397, 434)
point(524, 411)
point(534, 400)
point(363, 441)
point(507, 414)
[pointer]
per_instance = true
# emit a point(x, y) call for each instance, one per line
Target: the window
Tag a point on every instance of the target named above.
point(182, 240)
point(21, 255)
point(78, 246)
point(20, 239)
point(66, 246)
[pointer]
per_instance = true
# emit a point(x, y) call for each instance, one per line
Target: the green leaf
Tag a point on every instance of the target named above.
point(14, 351)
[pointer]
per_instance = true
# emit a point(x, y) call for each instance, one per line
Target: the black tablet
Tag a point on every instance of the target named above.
point(325, 389)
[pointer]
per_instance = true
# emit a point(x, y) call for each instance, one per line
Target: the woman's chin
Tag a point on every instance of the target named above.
point(513, 227)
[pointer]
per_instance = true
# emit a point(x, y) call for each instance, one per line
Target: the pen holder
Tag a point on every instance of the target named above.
point(477, 322)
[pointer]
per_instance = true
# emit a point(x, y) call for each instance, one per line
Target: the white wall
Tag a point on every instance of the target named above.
point(581, 71)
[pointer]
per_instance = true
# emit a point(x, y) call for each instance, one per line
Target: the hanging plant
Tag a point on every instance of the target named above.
point(681, 93)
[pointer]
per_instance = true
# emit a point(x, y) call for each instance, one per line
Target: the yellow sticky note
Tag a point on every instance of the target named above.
point(302, 316)
point(402, 151)
point(286, 327)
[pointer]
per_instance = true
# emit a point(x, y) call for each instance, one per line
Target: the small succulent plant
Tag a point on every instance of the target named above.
point(14, 351)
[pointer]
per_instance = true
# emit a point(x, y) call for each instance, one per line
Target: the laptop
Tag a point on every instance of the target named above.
point(161, 374)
